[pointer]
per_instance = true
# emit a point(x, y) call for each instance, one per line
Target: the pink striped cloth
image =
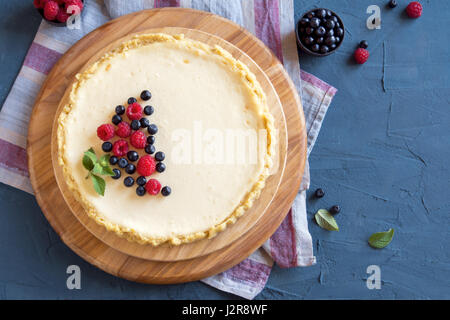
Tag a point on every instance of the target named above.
point(270, 20)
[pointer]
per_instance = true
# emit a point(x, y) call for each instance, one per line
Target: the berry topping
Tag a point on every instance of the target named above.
point(135, 125)
point(120, 148)
point(361, 55)
point(141, 181)
point(150, 149)
point(123, 163)
point(132, 156)
point(392, 4)
point(166, 191)
point(140, 191)
point(152, 129)
point(105, 132)
point(120, 110)
point(319, 193)
point(414, 9)
point(131, 100)
point(130, 168)
point(113, 160)
point(128, 182)
point(160, 156)
point(364, 44)
point(153, 187)
point(160, 167)
point(138, 140)
point(117, 174)
point(148, 110)
point(51, 10)
point(144, 122)
point(335, 209)
point(116, 119)
point(107, 146)
point(146, 95)
point(134, 111)
point(123, 129)
point(151, 139)
point(146, 166)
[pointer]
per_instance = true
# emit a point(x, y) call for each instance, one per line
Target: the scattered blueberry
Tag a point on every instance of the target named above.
point(132, 156)
point(364, 44)
point(120, 110)
point(140, 191)
point(165, 191)
point(116, 119)
point(150, 149)
point(160, 167)
point(128, 182)
point(131, 100)
point(151, 139)
point(148, 110)
point(117, 174)
point(160, 156)
point(141, 181)
point(107, 146)
point(144, 122)
point(152, 129)
point(113, 160)
point(130, 168)
point(122, 163)
point(319, 193)
point(135, 124)
point(392, 4)
point(335, 209)
point(146, 95)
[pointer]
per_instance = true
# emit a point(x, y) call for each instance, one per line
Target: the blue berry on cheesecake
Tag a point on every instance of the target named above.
point(131, 100)
point(141, 180)
point(113, 160)
point(132, 156)
point(151, 139)
point(152, 129)
point(165, 191)
point(150, 149)
point(160, 156)
point(120, 110)
point(160, 167)
point(107, 146)
point(144, 122)
point(146, 95)
point(140, 191)
point(148, 110)
point(130, 168)
point(116, 119)
point(117, 174)
point(122, 163)
point(128, 181)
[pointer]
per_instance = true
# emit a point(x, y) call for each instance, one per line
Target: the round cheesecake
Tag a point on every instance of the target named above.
point(214, 128)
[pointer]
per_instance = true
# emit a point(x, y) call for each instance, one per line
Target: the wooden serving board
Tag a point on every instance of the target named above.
point(167, 252)
point(98, 252)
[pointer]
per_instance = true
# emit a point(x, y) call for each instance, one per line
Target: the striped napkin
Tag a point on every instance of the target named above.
point(270, 20)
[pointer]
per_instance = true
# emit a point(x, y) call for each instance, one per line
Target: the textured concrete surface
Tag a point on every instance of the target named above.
point(383, 156)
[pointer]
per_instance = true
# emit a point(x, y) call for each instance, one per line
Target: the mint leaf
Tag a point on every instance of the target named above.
point(99, 184)
point(104, 160)
point(91, 155)
point(88, 163)
point(379, 240)
point(107, 171)
point(325, 220)
point(103, 171)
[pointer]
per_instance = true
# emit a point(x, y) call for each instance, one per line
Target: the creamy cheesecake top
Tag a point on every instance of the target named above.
point(208, 108)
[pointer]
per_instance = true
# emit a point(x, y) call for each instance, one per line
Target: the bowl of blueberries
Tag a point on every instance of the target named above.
point(320, 32)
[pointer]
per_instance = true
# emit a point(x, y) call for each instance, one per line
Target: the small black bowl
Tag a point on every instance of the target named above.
point(299, 35)
point(56, 23)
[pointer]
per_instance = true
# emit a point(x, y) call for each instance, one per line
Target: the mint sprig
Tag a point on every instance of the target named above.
point(97, 167)
point(325, 220)
point(379, 240)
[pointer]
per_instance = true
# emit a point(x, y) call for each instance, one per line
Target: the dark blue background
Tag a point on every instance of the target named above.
point(382, 155)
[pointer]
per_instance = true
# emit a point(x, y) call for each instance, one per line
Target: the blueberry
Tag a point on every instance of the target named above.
point(335, 209)
point(333, 46)
point(160, 167)
point(334, 19)
point(150, 149)
point(128, 182)
point(330, 33)
point(338, 25)
point(315, 47)
point(319, 193)
point(140, 191)
point(160, 156)
point(329, 13)
point(116, 119)
point(392, 4)
point(319, 40)
point(117, 174)
point(324, 49)
point(151, 139)
point(320, 31)
point(131, 100)
point(302, 30)
point(132, 156)
point(148, 110)
point(304, 22)
point(330, 24)
point(141, 181)
point(338, 39)
point(130, 168)
point(308, 40)
point(152, 129)
point(146, 95)
point(339, 32)
point(310, 15)
point(315, 22)
point(165, 191)
point(120, 110)
point(144, 122)
point(364, 44)
point(321, 13)
point(135, 124)
point(330, 40)
point(113, 160)
point(107, 146)
point(122, 163)
point(309, 30)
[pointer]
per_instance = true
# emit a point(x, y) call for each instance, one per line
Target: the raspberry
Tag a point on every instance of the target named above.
point(153, 186)
point(123, 130)
point(414, 9)
point(120, 148)
point(39, 4)
point(134, 111)
point(62, 16)
point(51, 9)
point(77, 3)
point(146, 166)
point(361, 55)
point(105, 132)
point(138, 140)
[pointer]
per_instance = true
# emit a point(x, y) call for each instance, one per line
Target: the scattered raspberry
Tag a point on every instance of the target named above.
point(146, 166)
point(138, 140)
point(62, 16)
point(153, 187)
point(120, 148)
point(414, 9)
point(123, 130)
point(51, 10)
point(134, 111)
point(105, 132)
point(77, 3)
point(361, 55)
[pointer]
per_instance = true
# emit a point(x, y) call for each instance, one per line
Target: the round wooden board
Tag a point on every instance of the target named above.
point(196, 249)
point(50, 198)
